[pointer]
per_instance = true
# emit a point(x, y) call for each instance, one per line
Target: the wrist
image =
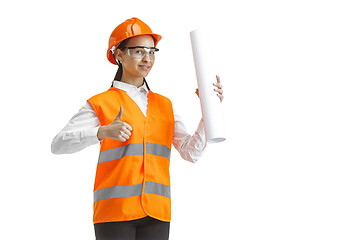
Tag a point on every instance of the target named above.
point(100, 133)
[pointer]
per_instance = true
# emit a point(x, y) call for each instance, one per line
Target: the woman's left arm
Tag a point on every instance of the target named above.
point(191, 147)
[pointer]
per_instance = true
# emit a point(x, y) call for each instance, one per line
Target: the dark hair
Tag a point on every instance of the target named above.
point(119, 72)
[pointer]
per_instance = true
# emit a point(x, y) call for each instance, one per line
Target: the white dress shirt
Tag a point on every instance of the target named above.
point(81, 130)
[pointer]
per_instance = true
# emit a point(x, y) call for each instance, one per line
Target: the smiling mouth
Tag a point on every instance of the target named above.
point(144, 67)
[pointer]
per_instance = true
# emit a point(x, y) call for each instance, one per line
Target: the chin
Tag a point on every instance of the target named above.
point(143, 74)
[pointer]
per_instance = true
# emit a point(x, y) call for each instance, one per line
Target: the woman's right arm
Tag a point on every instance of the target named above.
point(80, 132)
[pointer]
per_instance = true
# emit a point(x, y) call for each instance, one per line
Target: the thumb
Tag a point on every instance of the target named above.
point(118, 117)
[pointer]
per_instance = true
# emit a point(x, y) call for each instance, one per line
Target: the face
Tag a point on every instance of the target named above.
point(135, 67)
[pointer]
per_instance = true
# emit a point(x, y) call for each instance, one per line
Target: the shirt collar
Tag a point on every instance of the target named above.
point(128, 87)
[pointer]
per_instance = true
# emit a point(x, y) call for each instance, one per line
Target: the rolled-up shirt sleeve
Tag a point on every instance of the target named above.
point(189, 147)
point(79, 133)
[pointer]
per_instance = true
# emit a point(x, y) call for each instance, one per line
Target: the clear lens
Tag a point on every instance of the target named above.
point(140, 52)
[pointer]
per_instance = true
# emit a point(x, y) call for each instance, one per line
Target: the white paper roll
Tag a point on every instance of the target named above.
point(206, 76)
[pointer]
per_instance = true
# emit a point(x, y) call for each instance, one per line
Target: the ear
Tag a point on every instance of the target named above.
point(119, 55)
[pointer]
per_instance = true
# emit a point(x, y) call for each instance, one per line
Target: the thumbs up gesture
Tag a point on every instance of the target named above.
point(117, 130)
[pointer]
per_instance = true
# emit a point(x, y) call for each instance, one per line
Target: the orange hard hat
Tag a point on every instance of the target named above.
point(129, 28)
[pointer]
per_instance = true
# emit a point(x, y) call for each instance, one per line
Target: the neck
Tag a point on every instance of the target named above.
point(136, 81)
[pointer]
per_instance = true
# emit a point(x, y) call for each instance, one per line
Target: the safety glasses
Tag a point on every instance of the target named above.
point(139, 52)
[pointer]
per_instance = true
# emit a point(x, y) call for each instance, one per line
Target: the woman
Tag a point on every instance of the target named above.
point(135, 128)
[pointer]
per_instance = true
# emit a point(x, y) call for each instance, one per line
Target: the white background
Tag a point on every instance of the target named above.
point(289, 168)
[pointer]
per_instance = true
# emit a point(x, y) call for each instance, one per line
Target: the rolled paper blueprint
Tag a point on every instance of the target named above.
point(206, 76)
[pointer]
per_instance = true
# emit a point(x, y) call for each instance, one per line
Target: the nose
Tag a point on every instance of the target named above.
point(146, 58)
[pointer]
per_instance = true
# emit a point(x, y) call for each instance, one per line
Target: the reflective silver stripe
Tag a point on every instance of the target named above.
point(157, 188)
point(158, 150)
point(131, 191)
point(117, 153)
point(118, 192)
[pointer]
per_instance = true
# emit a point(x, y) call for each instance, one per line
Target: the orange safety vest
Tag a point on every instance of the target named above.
point(132, 177)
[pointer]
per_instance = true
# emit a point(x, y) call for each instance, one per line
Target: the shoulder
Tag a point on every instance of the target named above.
point(102, 95)
point(104, 100)
point(105, 97)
